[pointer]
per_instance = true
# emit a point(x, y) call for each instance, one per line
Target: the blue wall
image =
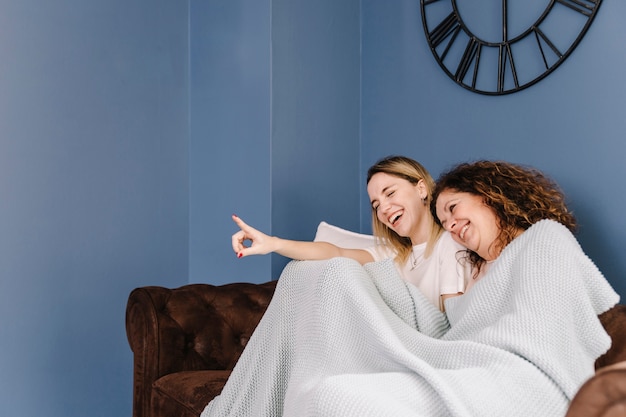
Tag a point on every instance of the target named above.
point(274, 126)
point(94, 193)
point(571, 125)
point(230, 135)
point(315, 117)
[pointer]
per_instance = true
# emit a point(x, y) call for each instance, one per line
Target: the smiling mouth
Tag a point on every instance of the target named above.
point(395, 219)
point(463, 230)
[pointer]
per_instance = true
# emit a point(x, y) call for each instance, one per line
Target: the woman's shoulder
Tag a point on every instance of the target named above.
point(550, 228)
point(546, 237)
point(381, 251)
point(446, 243)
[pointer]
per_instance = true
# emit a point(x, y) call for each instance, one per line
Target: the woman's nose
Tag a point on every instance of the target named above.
point(386, 206)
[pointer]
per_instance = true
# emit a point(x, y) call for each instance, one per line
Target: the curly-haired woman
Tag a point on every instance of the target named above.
point(487, 204)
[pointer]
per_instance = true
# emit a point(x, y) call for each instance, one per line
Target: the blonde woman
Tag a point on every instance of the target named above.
point(400, 191)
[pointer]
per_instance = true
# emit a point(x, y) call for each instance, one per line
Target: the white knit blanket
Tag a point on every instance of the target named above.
point(339, 339)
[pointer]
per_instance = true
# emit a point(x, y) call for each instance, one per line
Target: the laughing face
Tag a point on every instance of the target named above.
point(398, 205)
point(470, 222)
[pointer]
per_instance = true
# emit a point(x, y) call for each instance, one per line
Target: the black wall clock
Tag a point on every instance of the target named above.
point(499, 47)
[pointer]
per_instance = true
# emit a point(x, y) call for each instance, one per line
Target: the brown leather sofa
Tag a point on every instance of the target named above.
point(187, 340)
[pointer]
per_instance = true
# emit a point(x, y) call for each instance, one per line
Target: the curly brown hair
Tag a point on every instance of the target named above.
point(519, 196)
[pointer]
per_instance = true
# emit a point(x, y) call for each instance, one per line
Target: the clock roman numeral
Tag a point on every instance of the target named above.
point(449, 25)
point(539, 34)
point(505, 54)
point(472, 51)
point(585, 7)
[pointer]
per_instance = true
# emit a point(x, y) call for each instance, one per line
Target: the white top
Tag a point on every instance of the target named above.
point(441, 273)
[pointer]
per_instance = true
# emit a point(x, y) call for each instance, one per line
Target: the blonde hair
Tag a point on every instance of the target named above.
point(412, 171)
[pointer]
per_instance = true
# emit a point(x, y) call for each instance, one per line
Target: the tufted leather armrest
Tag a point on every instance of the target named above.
point(614, 322)
point(194, 327)
point(603, 395)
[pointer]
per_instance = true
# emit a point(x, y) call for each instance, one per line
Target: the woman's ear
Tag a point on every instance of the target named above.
point(422, 190)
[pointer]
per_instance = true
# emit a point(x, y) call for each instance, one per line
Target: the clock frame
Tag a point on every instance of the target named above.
point(513, 62)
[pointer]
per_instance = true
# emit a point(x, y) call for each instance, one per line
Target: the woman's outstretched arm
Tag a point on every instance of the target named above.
point(261, 244)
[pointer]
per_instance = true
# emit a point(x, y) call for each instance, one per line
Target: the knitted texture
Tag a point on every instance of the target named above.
point(339, 339)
